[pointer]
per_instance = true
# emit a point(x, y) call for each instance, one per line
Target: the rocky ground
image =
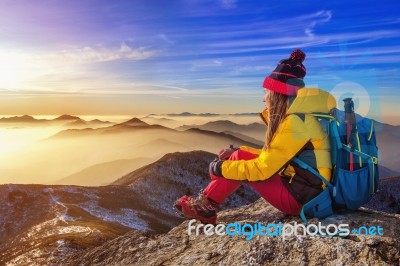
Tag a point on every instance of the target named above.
point(178, 248)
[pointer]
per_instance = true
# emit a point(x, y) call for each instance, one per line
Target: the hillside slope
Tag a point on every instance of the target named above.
point(42, 224)
point(388, 197)
point(175, 175)
point(103, 173)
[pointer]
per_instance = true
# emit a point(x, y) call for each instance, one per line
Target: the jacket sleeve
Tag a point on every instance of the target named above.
point(288, 141)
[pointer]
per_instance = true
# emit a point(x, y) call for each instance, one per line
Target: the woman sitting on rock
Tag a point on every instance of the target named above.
point(291, 132)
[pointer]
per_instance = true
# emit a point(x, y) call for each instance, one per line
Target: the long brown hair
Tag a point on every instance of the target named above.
point(278, 104)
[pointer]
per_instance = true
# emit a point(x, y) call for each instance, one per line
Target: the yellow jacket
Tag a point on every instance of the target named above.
point(300, 134)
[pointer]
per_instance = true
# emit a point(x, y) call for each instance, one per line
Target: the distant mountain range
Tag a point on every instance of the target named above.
point(210, 114)
point(68, 121)
point(253, 130)
point(107, 126)
point(109, 142)
point(132, 124)
point(29, 119)
point(135, 125)
point(66, 117)
point(191, 114)
point(21, 119)
point(74, 151)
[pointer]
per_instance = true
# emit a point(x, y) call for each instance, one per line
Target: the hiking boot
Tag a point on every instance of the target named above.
point(201, 208)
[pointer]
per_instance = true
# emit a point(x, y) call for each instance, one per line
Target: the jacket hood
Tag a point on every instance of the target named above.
point(312, 100)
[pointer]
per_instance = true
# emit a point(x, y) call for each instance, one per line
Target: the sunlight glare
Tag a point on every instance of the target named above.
point(14, 70)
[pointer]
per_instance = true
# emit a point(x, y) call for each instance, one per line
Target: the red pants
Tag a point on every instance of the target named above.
point(272, 190)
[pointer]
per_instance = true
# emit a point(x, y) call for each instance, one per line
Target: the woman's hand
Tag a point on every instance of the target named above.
point(226, 153)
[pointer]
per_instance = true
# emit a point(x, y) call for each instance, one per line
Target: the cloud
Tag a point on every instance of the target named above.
point(206, 64)
point(257, 26)
point(167, 90)
point(262, 34)
point(164, 37)
point(320, 17)
point(89, 54)
point(251, 69)
point(355, 58)
point(232, 46)
point(22, 70)
point(228, 4)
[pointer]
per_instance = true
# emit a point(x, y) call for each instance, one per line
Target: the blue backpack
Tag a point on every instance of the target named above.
point(354, 157)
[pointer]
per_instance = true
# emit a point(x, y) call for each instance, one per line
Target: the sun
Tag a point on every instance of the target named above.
point(14, 70)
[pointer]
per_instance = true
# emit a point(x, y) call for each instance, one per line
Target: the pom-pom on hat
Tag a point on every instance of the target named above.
point(288, 76)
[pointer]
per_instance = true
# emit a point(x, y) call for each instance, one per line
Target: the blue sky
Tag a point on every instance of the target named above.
point(137, 57)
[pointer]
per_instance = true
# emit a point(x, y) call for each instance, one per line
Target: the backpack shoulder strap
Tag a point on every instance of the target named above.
point(312, 170)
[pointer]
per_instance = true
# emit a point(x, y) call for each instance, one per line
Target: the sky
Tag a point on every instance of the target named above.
point(101, 57)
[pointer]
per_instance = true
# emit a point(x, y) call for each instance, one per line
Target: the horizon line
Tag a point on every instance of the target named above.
point(182, 114)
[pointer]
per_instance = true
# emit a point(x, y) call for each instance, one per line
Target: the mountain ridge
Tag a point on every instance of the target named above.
point(132, 124)
point(253, 130)
point(66, 117)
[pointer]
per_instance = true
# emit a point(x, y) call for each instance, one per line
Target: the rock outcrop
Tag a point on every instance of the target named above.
point(178, 248)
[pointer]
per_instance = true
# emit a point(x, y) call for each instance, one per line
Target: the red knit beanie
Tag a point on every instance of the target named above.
point(288, 76)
